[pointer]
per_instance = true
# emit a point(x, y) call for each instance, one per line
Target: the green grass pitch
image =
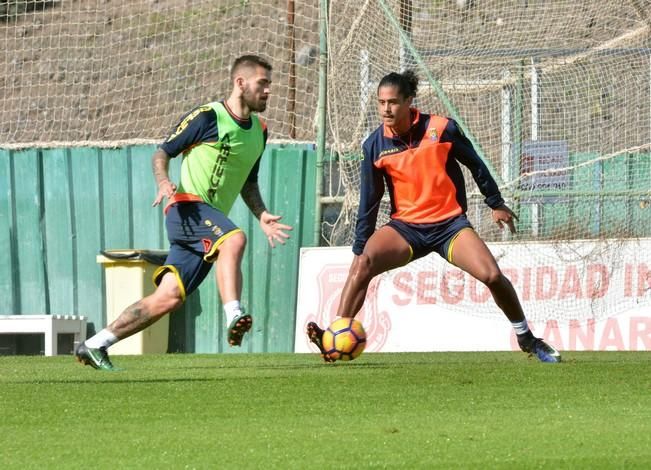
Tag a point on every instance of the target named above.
point(434, 410)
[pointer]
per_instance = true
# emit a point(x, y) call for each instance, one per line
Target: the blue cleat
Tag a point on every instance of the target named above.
point(539, 348)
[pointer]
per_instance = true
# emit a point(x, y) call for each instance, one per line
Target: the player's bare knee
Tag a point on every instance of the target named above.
point(236, 243)
point(166, 299)
point(173, 303)
point(492, 278)
point(164, 305)
point(363, 269)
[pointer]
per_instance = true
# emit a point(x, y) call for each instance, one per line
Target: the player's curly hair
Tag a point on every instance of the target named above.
point(406, 82)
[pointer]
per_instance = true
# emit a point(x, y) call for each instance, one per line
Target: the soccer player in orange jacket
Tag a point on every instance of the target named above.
point(418, 157)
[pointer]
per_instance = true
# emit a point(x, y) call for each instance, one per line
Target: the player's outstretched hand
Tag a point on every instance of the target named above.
point(503, 215)
point(166, 188)
point(274, 230)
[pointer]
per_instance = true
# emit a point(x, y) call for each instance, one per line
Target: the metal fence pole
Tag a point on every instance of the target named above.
point(322, 114)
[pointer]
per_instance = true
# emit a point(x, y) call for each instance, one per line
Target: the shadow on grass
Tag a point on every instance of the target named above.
point(103, 381)
point(122, 376)
point(315, 366)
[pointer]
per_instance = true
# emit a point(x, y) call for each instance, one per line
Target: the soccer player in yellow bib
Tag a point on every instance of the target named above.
point(221, 144)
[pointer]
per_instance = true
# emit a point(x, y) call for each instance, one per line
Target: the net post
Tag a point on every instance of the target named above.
point(535, 207)
point(322, 118)
point(507, 139)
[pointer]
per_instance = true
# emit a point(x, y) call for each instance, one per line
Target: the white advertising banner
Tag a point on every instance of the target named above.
point(579, 296)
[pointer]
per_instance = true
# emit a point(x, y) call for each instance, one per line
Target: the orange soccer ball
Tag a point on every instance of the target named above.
point(345, 339)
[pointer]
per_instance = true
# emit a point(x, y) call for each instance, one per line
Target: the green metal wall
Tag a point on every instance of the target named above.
point(60, 207)
point(608, 199)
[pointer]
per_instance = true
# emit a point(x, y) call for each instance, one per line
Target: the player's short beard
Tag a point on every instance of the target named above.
point(254, 105)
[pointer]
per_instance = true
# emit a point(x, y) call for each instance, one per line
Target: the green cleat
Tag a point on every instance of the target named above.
point(96, 358)
point(238, 328)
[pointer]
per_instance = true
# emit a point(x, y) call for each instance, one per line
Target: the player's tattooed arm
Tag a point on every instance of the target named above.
point(252, 198)
point(160, 162)
point(274, 230)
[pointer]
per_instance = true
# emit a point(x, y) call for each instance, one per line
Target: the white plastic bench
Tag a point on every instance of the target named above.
point(50, 325)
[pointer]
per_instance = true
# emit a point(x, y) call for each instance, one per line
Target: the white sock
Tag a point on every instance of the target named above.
point(520, 327)
point(232, 310)
point(103, 339)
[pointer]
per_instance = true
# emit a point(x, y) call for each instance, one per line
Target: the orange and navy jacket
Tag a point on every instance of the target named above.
point(422, 174)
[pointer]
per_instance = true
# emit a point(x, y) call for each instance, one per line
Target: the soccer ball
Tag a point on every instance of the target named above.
point(345, 339)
